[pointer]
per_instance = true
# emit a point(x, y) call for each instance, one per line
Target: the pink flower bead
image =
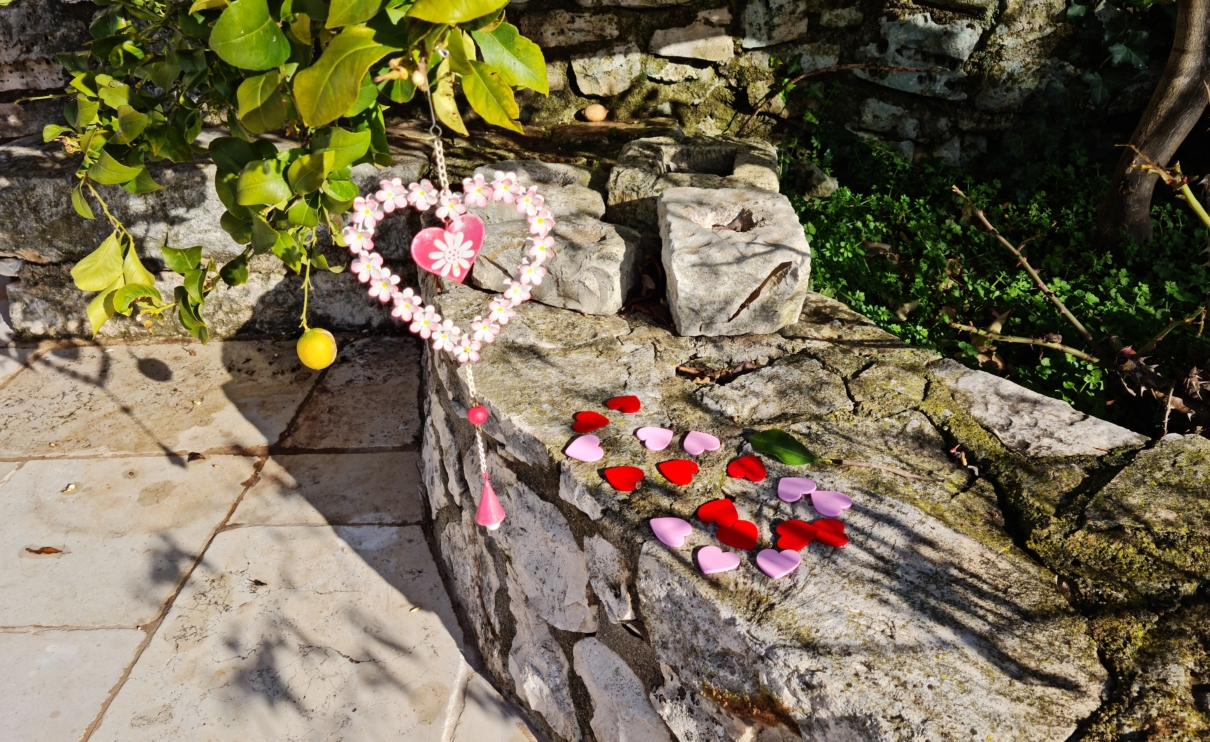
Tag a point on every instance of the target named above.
point(392, 195)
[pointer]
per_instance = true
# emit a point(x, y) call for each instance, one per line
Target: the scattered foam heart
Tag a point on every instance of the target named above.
point(629, 404)
point(712, 560)
point(678, 471)
point(721, 511)
point(791, 489)
point(795, 534)
point(585, 448)
point(588, 421)
point(830, 532)
point(697, 442)
point(624, 478)
point(778, 563)
point(747, 467)
point(741, 534)
point(671, 531)
point(655, 439)
point(830, 503)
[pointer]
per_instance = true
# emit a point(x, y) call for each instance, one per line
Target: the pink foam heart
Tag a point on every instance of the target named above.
point(655, 439)
point(712, 560)
point(778, 563)
point(697, 442)
point(791, 489)
point(449, 251)
point(671, 531)
point(830, 503)
point(585, 448)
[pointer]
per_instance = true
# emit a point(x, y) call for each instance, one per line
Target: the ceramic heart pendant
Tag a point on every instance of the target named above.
point(449, 251)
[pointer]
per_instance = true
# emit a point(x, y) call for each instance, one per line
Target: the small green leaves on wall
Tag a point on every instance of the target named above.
point(246, 36)
point(784, 447)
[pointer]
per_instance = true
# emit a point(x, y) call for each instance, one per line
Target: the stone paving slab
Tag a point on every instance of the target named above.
point(89, 400)
point(337, 489)
point(299, 633)
point(367, 399)
point(126, 530)
point(55, 682)
point(12, 360)
point(486, 717)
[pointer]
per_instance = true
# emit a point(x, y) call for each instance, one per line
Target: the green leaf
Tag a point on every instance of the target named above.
point(246, 36)
point(348, 12)
point(101, 267)
point(224, 186)
point(1122, 54)
point(131, 124)
point(264, 236)
point(340, 189)
point(180, 260)
point(115, 94)
point(347, 147)
point(125, 297)
point(101, 308)
point(133, 270)
point(189, 316)
point(460, 56)
point(142, 183)
point(108, 171)
point(262, 182)
point(308, 172)
point(1098, 91)
point(239, 229)
point(326, 89)
point(303, 214)
point(195, 284)
point(366, 96)
point(73, 62)
point(262, 107)
point(491, 97)
point(206, 5)
point(230, 154)
point(518, 60)
point(399, 91)
point(235, 272)
point(444, 103)
point(452, 12)
point(52, 131)
point(80, 203)
point(287, 250)
point(81, 112)
point(782, 446)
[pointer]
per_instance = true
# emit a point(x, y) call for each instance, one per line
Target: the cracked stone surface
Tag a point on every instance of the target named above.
point(954, 628)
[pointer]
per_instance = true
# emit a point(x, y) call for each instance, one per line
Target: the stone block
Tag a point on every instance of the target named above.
point(560, 28)
point(564, 189)
point(630, 3)
point(769, 22)
point(737, 260)
point(593, 270)
point(33, 32)
point(919, 41)
point(700, 40)
point(648, 167)
point(621, 709)
point(607, 72)
point(487, 716)
point(840, 17)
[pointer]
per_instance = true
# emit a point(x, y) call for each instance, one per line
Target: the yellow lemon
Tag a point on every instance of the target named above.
point(316, 349)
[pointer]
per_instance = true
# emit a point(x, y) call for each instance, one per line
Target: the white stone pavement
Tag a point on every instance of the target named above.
point(210, 542)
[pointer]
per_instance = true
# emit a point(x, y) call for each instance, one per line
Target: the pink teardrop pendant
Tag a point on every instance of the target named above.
point(490, 513)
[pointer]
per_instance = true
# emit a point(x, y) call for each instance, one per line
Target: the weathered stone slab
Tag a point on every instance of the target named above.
point(564, 189)
point(560, 28)
point(918, 41)
point(620, 706)
point(368, 399)
point(56, 681)
point(648, 167)
point(700, 40)
point(152, 399)
point(12, 360)
point(296, 633)
point(769, 22)
point(1030, 423)
point(340, 489)
point(486, 716)
point(126, 531)
point(737, 260)
point(594, 268)
point(33, 33)
point(792, 387)
point(607, 72)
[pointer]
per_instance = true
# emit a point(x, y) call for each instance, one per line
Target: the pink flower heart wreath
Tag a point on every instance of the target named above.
point(450, 252)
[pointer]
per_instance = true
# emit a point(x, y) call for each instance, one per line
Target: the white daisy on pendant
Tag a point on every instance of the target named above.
point(453, 255)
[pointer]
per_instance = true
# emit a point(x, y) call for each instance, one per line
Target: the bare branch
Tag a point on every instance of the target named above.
point(1197, 316)
point(998, 338)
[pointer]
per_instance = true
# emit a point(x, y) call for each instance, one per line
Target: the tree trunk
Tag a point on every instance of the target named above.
point(1175, 108)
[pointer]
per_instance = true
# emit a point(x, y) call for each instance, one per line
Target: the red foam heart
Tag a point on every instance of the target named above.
point(588, 421)
point(721, 511)
point(747, 467)
point(624, 478)
point(739, 535)
point(830, 532)
point(629, 404)
point(678, 471)
point(456, 253)
point(795, 534)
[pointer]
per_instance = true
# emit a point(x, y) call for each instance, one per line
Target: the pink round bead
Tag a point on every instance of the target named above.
point(477, 415)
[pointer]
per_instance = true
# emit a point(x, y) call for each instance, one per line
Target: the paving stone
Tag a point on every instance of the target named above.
point(367, 399)
point(299, 633)
point(488, 717)
point(55, 682)
point(6, 470)
point(12, 360)
point(341, 489)
point(144, 399)
point(126, 533)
